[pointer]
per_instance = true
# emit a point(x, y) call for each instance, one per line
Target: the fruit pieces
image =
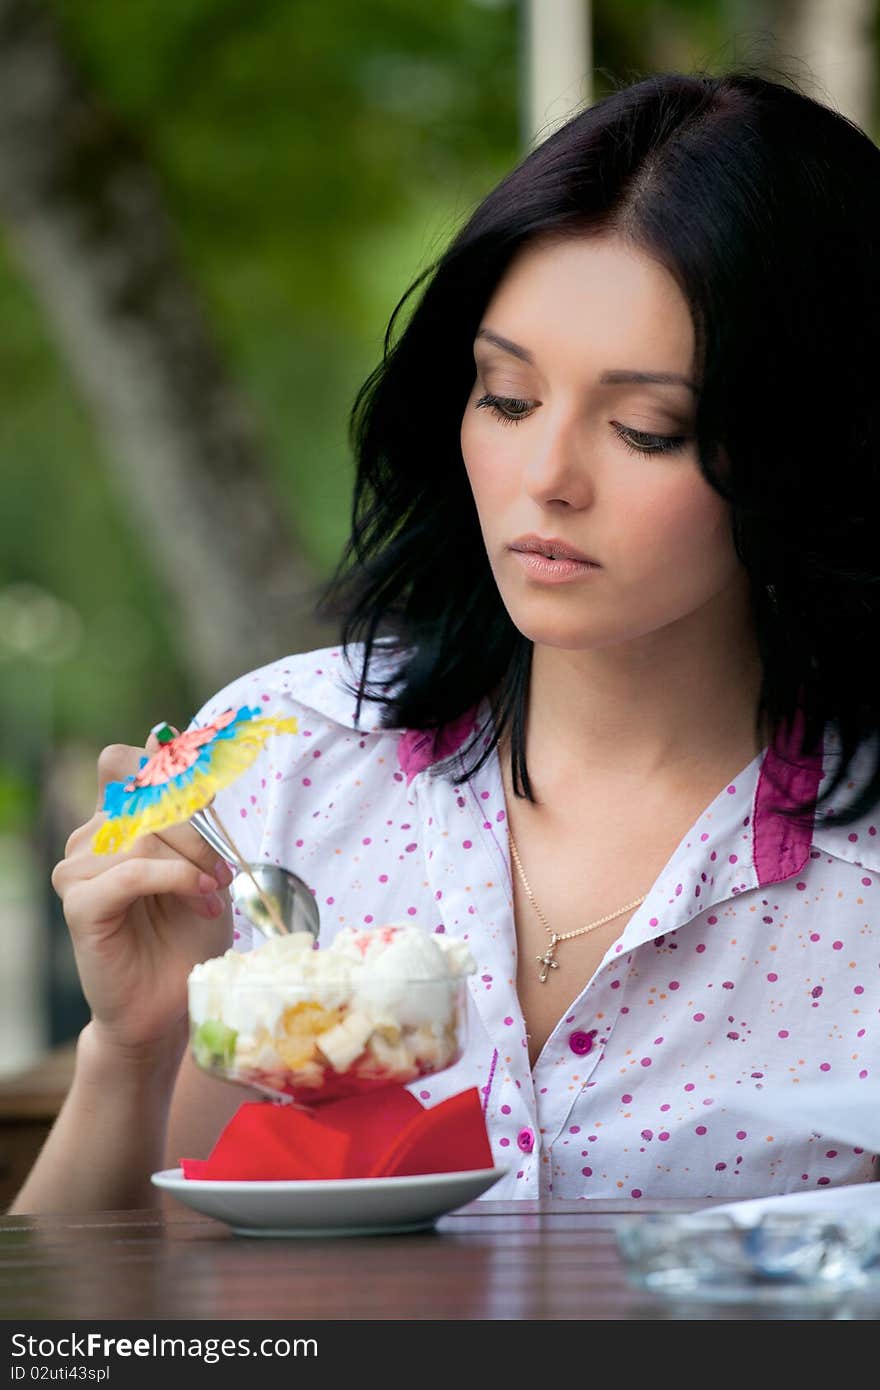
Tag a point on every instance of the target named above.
point(301, 1025)
point(214, 1044)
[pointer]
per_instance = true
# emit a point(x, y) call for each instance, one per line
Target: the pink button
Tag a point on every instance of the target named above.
point(580, 1042)
point(526, 1140)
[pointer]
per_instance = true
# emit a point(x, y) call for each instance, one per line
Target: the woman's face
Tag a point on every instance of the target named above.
point(561, 444)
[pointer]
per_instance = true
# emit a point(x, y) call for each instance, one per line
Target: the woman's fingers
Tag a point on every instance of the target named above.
point(107, 897)
point(116, 762)
point(178, 840)
point(186, 841)
point(119, 761)
point(82, 833)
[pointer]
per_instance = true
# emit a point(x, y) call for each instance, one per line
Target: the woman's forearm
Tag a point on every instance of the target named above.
point(109, 1135)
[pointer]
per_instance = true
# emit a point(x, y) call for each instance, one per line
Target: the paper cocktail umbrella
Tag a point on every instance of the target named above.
point(184, 775)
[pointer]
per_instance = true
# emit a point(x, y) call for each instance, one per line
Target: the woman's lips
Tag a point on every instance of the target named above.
point(546, 571)
point(554, 547)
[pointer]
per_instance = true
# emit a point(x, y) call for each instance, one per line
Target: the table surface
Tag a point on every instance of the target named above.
point(491, 1260)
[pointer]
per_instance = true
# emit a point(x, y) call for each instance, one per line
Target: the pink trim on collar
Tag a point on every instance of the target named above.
point(420, 748)
point(781, 847)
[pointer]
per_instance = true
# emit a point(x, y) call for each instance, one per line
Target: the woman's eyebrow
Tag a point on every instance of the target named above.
point(610, 378)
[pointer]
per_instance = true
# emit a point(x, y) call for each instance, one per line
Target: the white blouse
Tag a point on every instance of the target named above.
point(752, 967)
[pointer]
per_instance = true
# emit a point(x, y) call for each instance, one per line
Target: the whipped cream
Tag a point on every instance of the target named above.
point(380, 1004)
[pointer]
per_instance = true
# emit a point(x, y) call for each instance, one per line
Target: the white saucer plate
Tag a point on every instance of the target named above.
point(329, 1207)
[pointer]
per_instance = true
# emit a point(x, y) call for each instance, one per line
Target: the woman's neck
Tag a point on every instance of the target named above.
point(655, 709)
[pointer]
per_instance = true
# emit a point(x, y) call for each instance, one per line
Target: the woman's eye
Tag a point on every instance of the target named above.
point(510, 410)
point(505, 408)
point(640, 443)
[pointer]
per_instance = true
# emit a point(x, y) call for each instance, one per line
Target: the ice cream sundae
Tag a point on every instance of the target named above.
point(376, 1007)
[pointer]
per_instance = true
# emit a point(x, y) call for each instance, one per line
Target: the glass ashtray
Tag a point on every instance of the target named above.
point(310, 1043)
point(782, 1257)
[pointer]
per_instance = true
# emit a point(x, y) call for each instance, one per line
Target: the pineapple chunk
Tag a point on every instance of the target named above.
point(298, 1031)
point(395, 1058)
point(342, 1044)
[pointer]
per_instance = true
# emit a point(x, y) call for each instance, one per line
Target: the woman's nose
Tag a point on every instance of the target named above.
point(557, 470)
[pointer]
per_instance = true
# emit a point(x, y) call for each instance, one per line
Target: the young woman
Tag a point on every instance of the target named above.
point(602, 705)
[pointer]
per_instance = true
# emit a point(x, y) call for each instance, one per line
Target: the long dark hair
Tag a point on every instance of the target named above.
point(765, 207)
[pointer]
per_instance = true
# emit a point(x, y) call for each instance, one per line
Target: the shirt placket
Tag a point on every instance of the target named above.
point(469, 881)
point(703, 873)
point(481, 910)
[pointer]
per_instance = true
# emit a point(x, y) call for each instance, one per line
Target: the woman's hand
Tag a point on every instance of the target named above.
point(140, 920)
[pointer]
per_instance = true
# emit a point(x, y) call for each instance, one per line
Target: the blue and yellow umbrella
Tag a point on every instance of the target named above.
point(185, 774)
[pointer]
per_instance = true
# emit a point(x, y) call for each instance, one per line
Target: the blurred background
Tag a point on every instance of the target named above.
point(208, 212)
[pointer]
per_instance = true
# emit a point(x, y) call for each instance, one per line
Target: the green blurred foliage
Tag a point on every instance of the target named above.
point(60, 528)
point(313, 158)
point(18, 803)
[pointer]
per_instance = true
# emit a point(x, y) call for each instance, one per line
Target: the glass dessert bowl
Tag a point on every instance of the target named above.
point(375, 1008)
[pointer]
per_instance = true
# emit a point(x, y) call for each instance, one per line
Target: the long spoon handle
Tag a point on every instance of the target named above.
point(220, 841)
point(209, 832)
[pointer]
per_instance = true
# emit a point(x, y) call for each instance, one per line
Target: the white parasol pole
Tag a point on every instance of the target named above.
point(556, 65)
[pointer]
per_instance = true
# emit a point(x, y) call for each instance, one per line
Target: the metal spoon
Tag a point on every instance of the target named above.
point(293, 899)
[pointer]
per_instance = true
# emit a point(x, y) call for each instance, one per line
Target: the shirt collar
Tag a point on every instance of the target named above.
point(778, 778)
point(787, 778)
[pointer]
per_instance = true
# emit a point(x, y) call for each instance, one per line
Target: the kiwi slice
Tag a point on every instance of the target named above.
point(213, 1043)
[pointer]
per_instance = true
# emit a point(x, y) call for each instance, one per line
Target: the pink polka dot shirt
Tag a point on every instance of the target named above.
point(751, 968)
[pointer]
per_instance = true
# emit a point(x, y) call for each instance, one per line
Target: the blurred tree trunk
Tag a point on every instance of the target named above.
point(835, 38)
point(827, 46)
point(556, 65)
point(87, 226)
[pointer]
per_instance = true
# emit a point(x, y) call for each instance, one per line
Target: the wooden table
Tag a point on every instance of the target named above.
point(491, 1260)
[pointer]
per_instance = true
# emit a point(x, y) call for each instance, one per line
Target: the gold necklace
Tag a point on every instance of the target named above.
point(547, 961)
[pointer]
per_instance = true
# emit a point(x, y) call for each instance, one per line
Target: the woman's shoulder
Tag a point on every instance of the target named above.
point(322, 682)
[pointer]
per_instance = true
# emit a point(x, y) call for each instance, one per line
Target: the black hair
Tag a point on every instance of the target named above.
point(764, 205)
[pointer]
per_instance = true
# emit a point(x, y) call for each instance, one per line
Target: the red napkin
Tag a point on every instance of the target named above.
point(386, 1133)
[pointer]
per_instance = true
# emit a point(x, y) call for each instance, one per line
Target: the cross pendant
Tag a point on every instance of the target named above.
point(547, 960)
